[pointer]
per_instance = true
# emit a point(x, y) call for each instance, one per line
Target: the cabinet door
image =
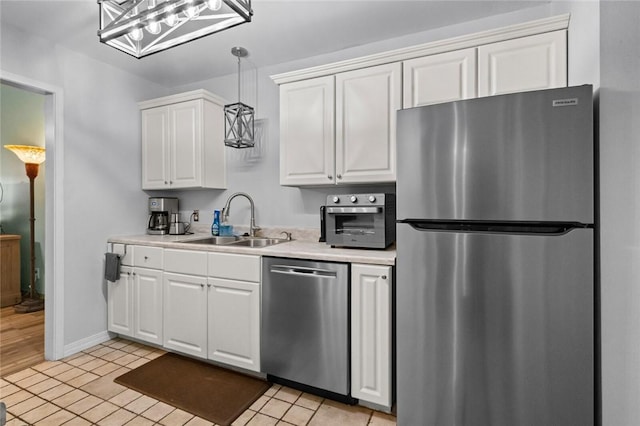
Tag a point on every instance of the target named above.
point(522, 64)
point(147, 312)
point(186, 144)
point(307, 131)
point(371, 316)
point(155, 148)
point(234, 323)
point(120, 303)
point(439, 78)
point(185, 314)
point(366, 105)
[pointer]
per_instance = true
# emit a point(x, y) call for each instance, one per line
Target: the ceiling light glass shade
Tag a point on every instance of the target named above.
point(186, 20)
point(28, 154)
point(214, 4)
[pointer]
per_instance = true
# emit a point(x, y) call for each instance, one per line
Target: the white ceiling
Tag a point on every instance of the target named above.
point(281, 31)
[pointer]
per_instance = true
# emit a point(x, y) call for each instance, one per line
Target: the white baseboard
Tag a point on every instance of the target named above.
point(85, 343)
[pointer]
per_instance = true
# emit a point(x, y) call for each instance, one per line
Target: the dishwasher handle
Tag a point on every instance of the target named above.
point(302, 271)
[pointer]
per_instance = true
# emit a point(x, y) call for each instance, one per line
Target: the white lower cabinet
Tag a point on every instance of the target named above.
point(120, 303)
point(185, 314)
point(134, 302)
point(234, 323)
point(147, 305)
point(234, 309)
point(212, 306)
point(371, 334)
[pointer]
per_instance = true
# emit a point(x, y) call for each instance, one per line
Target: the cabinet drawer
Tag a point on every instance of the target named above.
point(234, 266)
point(125, 251)
point(185, 262)
point(147, 257)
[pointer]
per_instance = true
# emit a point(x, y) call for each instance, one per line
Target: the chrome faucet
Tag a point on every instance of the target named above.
point(225, 212)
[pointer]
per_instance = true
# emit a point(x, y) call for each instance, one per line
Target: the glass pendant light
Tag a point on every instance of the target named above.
point(239, 121)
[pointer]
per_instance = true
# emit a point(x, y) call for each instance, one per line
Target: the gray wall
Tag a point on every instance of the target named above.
point(22, 118)
point(101, 164)
point(620, 201)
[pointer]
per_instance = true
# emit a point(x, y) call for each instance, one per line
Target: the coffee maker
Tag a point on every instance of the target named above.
point(160, 209)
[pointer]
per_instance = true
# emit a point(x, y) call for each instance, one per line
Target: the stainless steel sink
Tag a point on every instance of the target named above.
point(257, 242)
point(214, 240)
point(239, 241)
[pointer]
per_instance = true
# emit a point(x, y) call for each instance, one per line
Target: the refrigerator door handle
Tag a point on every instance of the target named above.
point(495, 227)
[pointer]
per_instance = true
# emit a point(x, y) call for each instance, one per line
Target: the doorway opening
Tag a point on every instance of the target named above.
point(43, 128)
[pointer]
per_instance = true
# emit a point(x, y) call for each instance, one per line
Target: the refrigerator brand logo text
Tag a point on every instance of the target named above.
point(565, 102)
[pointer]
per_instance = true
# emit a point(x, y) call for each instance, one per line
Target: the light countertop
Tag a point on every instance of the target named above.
point(298, 249)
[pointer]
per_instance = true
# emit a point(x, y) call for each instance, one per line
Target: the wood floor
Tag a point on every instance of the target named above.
point(21, 340)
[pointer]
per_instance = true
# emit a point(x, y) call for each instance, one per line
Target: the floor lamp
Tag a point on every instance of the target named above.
point(32, 157)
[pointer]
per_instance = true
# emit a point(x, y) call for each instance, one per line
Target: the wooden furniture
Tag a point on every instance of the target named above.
point(9, 270)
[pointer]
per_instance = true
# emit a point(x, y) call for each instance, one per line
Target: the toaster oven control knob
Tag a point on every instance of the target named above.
point(336, 200)
point(372, 198)
point(354, 199)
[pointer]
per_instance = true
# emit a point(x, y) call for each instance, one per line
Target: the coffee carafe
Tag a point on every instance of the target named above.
point(159, 211)
point(175, 226)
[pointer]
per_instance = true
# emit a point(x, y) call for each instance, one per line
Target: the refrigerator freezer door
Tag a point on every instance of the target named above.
point(524, 157)
point(495, 329)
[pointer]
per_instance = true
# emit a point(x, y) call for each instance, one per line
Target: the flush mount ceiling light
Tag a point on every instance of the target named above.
point(143, 27)
point(238, 124)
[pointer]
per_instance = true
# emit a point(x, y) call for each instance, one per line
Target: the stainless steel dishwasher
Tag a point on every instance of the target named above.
point(305, 333)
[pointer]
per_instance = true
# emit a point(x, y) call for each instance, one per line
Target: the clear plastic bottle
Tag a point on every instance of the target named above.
point(215, 226)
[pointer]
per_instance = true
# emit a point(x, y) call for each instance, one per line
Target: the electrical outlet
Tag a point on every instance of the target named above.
point(196, 215)
point(37, 273)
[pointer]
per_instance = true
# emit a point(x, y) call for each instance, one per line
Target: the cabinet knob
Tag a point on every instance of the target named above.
point(329, 177)
point(384, 277)
point(146, 258)
point(201, 285)
point(339, 176)
point(165, 182)
point(209, 285)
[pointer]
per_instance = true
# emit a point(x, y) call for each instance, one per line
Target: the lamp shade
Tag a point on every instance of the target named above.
point(27, 153)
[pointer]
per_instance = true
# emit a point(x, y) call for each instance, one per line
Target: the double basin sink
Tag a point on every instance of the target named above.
point(235, 241)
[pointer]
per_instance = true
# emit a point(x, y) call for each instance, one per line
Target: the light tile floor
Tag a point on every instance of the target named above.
point(79, 390)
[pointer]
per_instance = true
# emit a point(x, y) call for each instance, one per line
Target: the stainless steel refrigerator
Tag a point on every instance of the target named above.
point(496, 261)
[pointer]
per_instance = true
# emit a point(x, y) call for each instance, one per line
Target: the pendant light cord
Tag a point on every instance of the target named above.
point(239, 79)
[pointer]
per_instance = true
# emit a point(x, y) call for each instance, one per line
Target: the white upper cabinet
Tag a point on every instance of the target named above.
point(155, 148)
point(337, 121)
point(444, 77)
point(340, 129)
point(522, 64)
point(183, 142)
point(307, 128)
point(366, 104)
